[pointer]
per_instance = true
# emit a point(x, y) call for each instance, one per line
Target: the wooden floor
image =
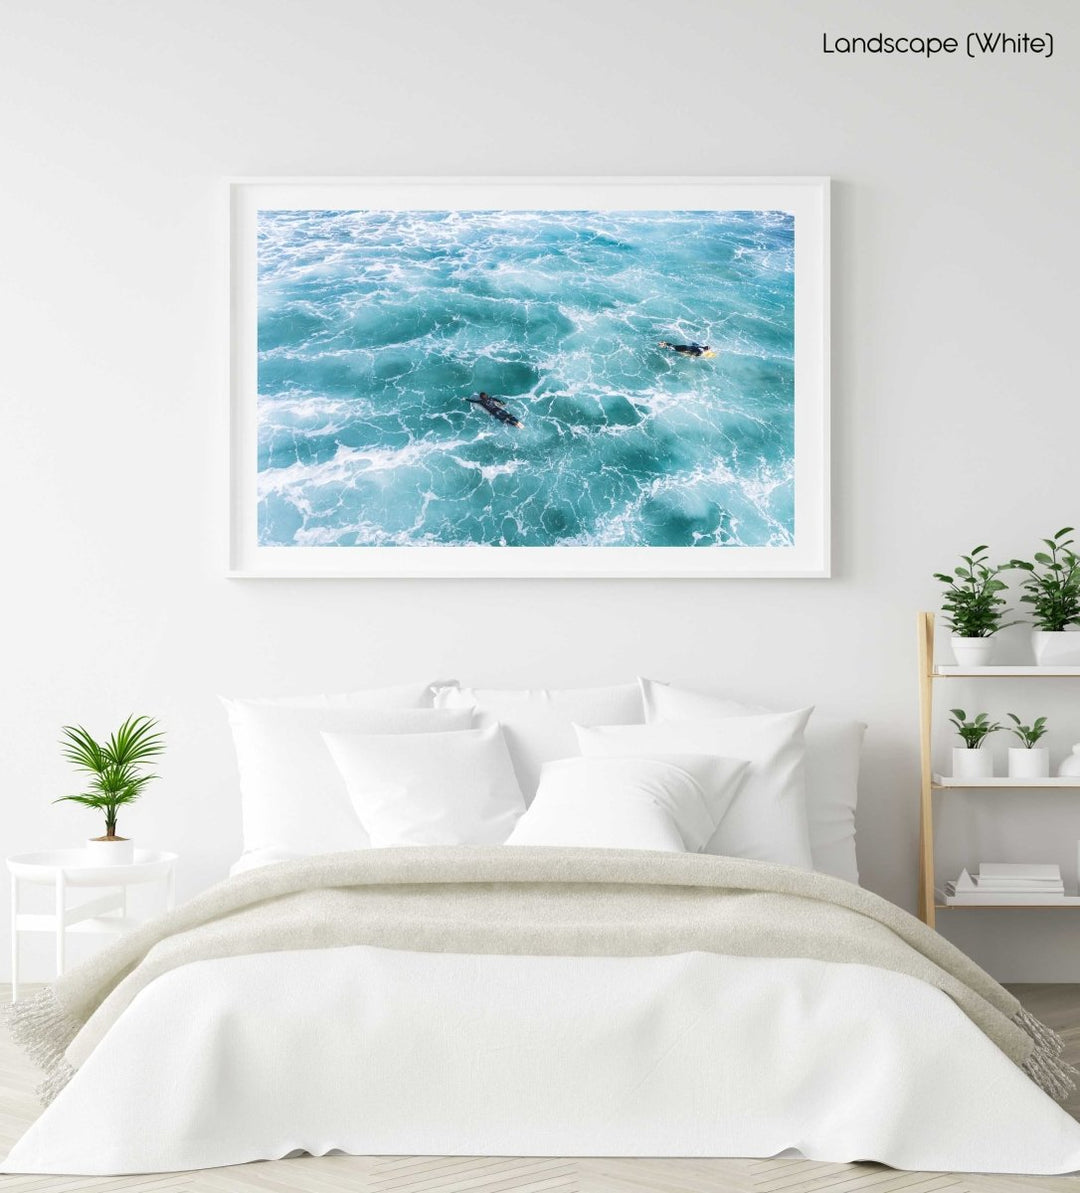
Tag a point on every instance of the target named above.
point(1058, 1006)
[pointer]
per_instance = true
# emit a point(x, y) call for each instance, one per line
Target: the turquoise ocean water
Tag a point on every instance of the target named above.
point(374, 327)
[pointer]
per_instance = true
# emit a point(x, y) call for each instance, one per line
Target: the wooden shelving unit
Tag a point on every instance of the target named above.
point(929, 673)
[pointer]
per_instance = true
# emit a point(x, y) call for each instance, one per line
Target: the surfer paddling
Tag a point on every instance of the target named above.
point(496, 407)
point(692, 349)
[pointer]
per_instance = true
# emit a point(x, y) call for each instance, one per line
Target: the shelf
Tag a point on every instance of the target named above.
point(30, 922)
point(942, 781)
point(932, 900)
point(950, 671)
point(1065, 902)
point(1070, 902)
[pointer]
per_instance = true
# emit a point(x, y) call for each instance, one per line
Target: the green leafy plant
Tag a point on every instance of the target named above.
point(1028, 734)
point(973, 602)
point(115, 766)
point(1052, 586)
point(974, 732)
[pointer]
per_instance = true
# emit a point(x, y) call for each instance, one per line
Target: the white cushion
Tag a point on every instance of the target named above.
point(767, 818)
point(833, 752)
point(539, 722)
point(430, 788)
point(405, 695)
point(672, 803)
point(292, 796)
point(255, 859)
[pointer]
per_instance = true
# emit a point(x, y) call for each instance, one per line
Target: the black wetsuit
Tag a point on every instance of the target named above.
point(494, 407)
point(686, 349)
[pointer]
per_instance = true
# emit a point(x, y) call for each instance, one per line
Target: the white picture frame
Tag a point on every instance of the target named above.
point(805, 198)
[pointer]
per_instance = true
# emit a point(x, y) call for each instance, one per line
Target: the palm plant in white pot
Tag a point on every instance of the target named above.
point(1029, 760)
point(970, 761)
point(1052, 589)
point(117, 778)
point(974, 607)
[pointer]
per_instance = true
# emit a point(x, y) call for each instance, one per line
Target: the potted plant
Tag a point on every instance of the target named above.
point(117, 778)
point(973, 606)
point(1052, 589)
point(1029, 760)
point(969, 760)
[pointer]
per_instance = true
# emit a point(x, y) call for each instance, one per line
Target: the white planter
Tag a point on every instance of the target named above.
point(972, 652)
point(119, 852)
point(972, 764)
point(1070, 764)
point(1056, 648)
point(1029, 764)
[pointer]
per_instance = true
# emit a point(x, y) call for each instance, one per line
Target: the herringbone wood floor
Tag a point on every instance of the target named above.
point(1057, 1005)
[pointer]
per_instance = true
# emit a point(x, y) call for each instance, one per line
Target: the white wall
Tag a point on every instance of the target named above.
point(955, 400)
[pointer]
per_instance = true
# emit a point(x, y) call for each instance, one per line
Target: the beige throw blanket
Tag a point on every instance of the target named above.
point(526, 901)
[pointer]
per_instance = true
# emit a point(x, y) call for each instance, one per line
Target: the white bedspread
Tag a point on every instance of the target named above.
point(417, 1053)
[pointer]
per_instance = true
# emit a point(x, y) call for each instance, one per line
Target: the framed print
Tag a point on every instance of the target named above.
point(529, 377)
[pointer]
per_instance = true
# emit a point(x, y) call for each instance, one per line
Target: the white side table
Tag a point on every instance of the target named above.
point(63, 869)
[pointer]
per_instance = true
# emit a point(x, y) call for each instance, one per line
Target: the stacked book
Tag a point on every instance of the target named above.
point(1007, 882)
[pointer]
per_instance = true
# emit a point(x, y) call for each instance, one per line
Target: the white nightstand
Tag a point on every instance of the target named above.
point(63, 869)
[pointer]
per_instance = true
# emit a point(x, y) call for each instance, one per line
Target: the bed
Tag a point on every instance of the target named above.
point(603, 967)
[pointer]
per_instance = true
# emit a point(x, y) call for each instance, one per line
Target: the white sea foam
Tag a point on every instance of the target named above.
point(349, 463)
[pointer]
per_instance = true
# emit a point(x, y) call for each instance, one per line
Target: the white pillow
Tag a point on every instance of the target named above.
point(255, 859)
point(672, 803)
point(292, 796)
point(405, 695)
point(767, 818)
point(833, 751)
point(430, 788)
point(539, 722)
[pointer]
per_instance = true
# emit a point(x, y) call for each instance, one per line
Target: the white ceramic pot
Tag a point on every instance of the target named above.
point(117, 852)
point(1070, 764)
point(972, 764)
point(972, 652)
point(1029, 764)
point(1056, 648)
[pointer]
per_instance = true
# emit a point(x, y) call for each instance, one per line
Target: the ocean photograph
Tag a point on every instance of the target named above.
point(526, 378)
